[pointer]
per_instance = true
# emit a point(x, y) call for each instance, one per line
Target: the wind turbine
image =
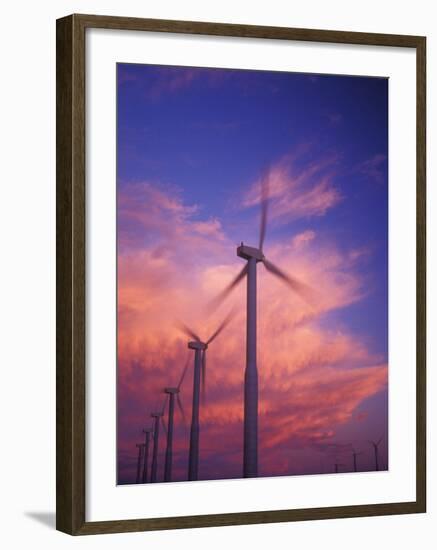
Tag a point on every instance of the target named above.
point(147, 433)
point(253, 256)
point(172, 392)
point(139, 460)
point(157, 417)
point(354, 455)
point(199, 348)
point(375, 449)
point(337, 466)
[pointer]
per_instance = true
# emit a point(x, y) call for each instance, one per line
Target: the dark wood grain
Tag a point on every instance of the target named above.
point(71, 279)
point(421, 274)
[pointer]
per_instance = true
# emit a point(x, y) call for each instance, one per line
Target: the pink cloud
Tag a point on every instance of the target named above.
point(312, 378)
point(302, 239)
point(298, 193)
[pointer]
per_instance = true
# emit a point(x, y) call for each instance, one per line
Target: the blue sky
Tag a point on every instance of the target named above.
point(192, 144)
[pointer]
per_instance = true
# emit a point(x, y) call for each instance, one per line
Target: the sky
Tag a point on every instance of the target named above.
point(192, 146)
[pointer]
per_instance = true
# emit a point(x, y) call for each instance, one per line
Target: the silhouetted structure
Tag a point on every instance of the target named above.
point(172, 393)
point(147, 433)
point(375, 446)
point(253, 256)
point(199, 348)
point(139, 460)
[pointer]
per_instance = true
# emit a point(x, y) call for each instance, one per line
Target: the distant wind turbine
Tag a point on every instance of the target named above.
point(158, 417)
point(172, 392)
point(140, 447)
point(354, 455)
point(199, 348)
point(337, 466)
point(375, 446)
point(147, 433)
point(253, 256)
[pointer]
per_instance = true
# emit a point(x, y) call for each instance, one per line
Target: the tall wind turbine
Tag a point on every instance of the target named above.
point(172, 393)
point(147, 434)
point(158, 417)
point(375, 446)
point(140, 447)
point(253, 256)
point(199, 348)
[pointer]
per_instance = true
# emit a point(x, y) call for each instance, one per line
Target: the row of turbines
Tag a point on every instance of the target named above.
point(355, 454)
point(252, 256)
point(172, 394)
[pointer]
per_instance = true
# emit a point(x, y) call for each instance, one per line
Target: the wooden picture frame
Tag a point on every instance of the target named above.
point(71, 254)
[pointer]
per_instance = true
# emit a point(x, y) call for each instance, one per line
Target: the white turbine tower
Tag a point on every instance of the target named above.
point(158, 418)
point(253, 256)
point(172, 393)
point(199, 348)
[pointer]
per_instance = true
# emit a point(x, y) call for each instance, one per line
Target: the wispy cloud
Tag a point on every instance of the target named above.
point(374, 168)
point(298, 192)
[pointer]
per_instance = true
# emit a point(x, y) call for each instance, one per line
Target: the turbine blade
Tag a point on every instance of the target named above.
point(184, 372)
point(222, 326)
point(227, 290)
point(303, 290)
point(188, 332)
point(181, 408)
point(264, 206)
point(203, 375)
point(379, 440)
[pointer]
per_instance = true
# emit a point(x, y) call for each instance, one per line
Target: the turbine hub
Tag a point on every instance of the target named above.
point(197, 345)
point(171, 390)
point(248, 252)
point(156, 414)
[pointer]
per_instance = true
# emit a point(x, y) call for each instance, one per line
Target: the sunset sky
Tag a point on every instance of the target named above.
point(192, 145)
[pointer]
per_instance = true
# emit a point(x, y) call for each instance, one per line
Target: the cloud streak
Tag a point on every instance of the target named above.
point(297, 192)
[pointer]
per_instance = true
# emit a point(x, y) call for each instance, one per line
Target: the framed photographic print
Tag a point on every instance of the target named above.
point(240, 274)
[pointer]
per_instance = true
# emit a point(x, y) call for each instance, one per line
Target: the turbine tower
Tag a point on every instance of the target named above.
point(375, 446)
point(253, 256)
point(199, 348)
point(172, 393)
point(147, 433)
point(337, 466)
point(354, 455)
point(158, 417)
point(140, 447)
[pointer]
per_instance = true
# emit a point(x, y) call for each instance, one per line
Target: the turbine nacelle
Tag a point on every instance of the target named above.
point(195, 344)
point(248, 252)
point(171, 390)
point(157, 414)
